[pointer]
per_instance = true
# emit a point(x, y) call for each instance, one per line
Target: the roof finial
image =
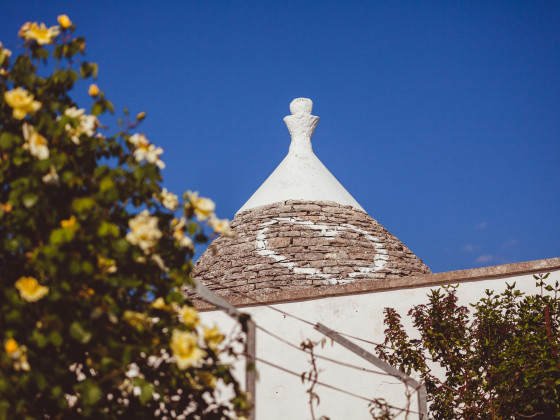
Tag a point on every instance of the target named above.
point(301, 125)
point(301, 175)
point(301, 106)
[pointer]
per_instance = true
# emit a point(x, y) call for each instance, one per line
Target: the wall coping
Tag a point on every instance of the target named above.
point(256, 298)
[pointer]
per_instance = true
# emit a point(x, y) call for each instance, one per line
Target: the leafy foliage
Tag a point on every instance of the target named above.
point(502, 361)
point(92, 256)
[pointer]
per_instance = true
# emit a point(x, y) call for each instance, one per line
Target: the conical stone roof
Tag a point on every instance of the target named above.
point(302, 229)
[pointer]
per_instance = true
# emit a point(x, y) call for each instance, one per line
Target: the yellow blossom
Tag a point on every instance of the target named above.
point(189, 316)
point(141, 116)
point(24, 28)
point(136, 319)
point(160, 304)
point(87, 124)
point(22, 364)
point(6, 207)
point(34, 142)
point(52, 177)
point(68, 223)
point(207, 379)
point(220, 226)
point(39, 33)
point(64, 21)
point(159, 262)
point(179, 233)
point(144, 231)
point(107, 264)
point(17, 353)
point(93, 90)
point(213, 337)
point(202, 207)
point(11, 346)
point(138, 140)
point(150, 153)
point(184, 346)
point(22, 102)
point(169, 200)
point(4, 53)
point(144, 150)
point(30, 290)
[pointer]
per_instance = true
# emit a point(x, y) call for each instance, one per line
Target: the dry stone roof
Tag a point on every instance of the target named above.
point(302, 229)
point(295, 244)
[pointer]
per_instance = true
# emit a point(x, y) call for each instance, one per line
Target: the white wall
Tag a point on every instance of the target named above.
point(283, 396)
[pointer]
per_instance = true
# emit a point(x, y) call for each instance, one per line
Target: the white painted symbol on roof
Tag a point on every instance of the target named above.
point(330, 232)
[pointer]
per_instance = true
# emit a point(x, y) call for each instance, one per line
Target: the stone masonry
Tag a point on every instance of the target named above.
point(301, 244)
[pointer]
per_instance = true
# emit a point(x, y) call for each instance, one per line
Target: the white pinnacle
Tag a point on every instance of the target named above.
point(301, 175)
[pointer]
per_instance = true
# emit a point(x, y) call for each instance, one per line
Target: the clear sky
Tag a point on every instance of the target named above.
point(441, 118)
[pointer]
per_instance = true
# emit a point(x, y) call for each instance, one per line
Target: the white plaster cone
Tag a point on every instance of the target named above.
point(301, 175)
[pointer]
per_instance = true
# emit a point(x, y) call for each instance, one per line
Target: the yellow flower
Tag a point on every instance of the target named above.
point(11, 346)
point(64, 21)
point(184, 346)
point(93, 90)
point(4, 53)
point(30, 290)
point(22, 102)
point(34, 142)
point(220, 226)
point(141, 116)
point(52, 177)
point(139, 140)
point(189, 316)
point(22, 364)
point(39, 33)
point(150, 153)
point(207, 379)
point(17, 353)
point(24, 28)
point(144, 231)
point(107, 264)
point(160, 304)
point(144, 150)
point(136, 319)
point(203, 207)
point(169, 200)
point(68, 223)
point(213, 337)
point(179, 233)
point(87, 124)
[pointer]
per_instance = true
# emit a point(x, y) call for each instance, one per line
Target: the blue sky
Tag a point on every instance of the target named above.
point(441, 118)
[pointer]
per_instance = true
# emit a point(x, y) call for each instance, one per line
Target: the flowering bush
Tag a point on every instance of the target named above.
point(93, 255)
point(500, 361)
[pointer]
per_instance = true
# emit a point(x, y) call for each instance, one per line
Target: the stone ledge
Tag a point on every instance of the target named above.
point(256, 298)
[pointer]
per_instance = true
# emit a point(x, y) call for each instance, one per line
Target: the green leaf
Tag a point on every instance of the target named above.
point(9, 140)
point(81, 205)
point(146, 394)
point(121, 246)
point(108, 229)
point(97, 109)
point(91, 393)
point(87, 267)
point(78, 333)
point(29, 200)
point(39, 338)
point(4, 409)
point(41, 53)
point(95, 69)
point(60, 235)
point(55, 338)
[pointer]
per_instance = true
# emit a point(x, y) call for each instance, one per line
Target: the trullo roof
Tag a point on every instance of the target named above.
point(301, 228)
